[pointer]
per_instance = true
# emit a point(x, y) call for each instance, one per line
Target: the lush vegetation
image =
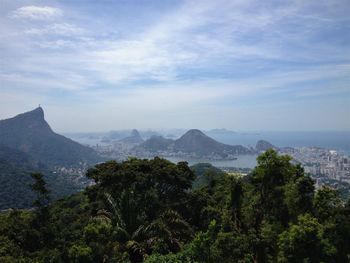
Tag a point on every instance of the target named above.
point(15, 169)
point(147, 211)
point(206, 174)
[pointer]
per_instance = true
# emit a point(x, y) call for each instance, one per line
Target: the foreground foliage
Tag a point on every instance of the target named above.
point(147, 211)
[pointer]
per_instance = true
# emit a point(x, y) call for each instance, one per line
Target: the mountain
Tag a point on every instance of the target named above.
point(134, 138)
point(117, 135)
point(31, 134)
point(195, 141)
point(262, 146)
point(147, 134)
point(157, 143)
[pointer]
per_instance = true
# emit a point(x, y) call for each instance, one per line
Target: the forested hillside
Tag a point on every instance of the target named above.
point(147, 211)
point(15, 169)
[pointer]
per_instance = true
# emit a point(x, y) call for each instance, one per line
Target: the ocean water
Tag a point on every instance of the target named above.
point(243, 161)
point(339, 140)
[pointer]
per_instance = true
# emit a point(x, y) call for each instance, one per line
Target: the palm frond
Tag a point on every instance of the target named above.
point(115, 211)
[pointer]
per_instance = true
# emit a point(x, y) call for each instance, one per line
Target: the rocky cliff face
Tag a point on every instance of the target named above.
point(134, 138)
point(262, 146)
point(30, 133)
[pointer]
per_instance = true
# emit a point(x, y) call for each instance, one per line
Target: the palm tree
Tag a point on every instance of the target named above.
point(169, 228)
point(140, 240)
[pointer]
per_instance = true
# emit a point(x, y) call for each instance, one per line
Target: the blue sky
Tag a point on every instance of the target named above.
point(242, 65)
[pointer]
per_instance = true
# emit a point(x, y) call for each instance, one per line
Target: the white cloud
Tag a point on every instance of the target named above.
point(130, 60)
point(62, 29)
point(37, 12)
point(202, 55)
point(47, 81)
point(196, 36)
point(56, 44)
point(207, 35)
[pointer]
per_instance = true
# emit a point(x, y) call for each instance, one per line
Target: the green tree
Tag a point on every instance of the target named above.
point(146, 211)
point(326, 203)
point(142, 200)
point(80, 254)
point(39, 187)
point(305, 241)
point(299, 194)
point(202, 248)
point(169, 258)
point(268, 179)
point(334, 214)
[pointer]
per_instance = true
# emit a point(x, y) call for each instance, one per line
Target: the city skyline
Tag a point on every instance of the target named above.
point(241, 65)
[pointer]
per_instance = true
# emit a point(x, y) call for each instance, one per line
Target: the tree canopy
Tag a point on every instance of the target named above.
point(148, 211)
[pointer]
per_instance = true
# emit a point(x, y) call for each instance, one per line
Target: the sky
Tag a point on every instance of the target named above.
point(237, 64)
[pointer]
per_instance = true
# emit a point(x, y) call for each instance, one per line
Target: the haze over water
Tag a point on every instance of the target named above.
point(333, 140)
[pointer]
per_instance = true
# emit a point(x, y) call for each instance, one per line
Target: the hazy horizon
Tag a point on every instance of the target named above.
point(179, 129)
point(241, 65)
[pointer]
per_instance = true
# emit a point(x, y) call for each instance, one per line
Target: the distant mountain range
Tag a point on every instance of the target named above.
point(157, 143)
point(194, 143)
point(31, 134)
point(118, 135)
point(133, 138)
